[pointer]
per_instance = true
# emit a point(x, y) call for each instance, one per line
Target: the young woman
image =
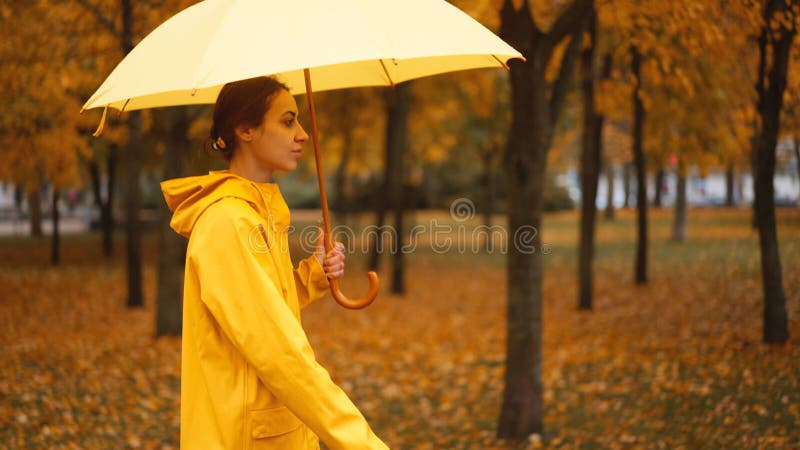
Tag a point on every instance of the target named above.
point(249, 379)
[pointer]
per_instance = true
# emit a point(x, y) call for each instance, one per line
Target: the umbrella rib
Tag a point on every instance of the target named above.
point(388, 77)
point(123, 107)
point(505, 66)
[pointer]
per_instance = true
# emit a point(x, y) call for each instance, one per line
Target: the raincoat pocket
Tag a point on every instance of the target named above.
point(276, 428)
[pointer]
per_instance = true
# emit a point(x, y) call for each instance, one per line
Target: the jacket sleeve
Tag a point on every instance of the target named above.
point(310, 280)
point(250, 311)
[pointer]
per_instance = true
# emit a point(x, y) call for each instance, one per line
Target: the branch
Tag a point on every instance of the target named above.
point(567, 22)
point(565, 73)
point(608, 61)
point(517, 27)
point(103, 20)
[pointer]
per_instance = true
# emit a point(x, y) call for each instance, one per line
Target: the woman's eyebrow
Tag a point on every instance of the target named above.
point(293, 113)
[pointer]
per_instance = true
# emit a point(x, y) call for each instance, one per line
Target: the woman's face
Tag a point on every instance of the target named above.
point(277, 143)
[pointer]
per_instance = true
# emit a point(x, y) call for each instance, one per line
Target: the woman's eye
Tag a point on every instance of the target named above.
point(289, 122)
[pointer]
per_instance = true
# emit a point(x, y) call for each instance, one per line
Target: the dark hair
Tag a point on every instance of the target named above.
point(240, 103)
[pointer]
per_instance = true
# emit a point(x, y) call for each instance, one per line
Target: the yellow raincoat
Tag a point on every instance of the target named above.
point(249, 379)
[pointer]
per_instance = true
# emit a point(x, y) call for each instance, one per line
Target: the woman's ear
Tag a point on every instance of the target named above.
point(244, 133)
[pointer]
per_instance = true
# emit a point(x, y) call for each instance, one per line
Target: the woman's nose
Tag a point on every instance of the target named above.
point(302, 136)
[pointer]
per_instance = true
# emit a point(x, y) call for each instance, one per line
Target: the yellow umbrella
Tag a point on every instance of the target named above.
point(344, 43)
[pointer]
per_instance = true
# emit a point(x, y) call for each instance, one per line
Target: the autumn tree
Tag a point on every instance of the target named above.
point(351, 123)
point(117, 25)
point(790, 113)
point(97, 53)
point(699, 119)
point(118, 22)
point(172, 246)
point(779, 27)
point(464, 117)
point(398, 104)
point(536, 105)
point(591, 159)
point(38, 124)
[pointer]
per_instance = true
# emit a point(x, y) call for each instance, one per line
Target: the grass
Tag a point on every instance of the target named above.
point(677, 363)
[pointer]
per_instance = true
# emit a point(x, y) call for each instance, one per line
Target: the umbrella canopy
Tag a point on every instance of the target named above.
point(346, 43)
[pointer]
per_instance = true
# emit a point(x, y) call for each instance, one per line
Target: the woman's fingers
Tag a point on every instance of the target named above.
point(334, 262)
point(320, 250)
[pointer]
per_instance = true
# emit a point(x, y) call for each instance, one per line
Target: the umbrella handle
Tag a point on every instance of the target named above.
point(334, 284)
point(357, 303)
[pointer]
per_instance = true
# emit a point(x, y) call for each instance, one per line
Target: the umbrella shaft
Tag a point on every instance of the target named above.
point(318, 158)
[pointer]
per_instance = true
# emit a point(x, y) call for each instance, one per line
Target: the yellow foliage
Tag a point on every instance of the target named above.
point(696, 75)
point(54, 55)
point(790, 114)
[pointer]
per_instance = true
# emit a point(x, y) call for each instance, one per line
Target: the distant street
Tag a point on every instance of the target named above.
point(66, 225)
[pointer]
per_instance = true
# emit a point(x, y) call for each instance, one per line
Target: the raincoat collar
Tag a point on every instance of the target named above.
point(189, 197)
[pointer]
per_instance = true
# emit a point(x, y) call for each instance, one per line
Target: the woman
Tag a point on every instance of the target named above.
point(249, 379)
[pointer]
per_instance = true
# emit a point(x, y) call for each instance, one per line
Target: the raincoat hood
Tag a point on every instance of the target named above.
point(189, 197)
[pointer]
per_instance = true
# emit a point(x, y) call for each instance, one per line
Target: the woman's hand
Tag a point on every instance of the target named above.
point(332, 262)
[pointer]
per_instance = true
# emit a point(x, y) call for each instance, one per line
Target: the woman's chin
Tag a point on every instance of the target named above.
point(289, 166)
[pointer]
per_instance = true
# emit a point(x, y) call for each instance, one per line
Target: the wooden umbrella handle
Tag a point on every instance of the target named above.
point(340, 298)
point(357, 303)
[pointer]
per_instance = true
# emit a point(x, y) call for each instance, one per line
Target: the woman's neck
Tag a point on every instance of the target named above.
point(241, 165)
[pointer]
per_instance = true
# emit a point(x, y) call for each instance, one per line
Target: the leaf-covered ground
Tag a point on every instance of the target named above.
point(677, 363)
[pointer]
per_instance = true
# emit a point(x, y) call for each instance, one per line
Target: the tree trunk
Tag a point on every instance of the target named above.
point(172, 246)
point(133, 165)
point(626, 184)
point(730, 178)
point(590, 169)
point(133, 206)
point(754, 171)
point(107, 218)
point(770, 87)
point(659, 188)
point(609, 166)
point(797, 164)
point(341, 176)
point(641, 175)
point(105, 206)
point(19, 197)
point(534, 115)
point(35, 209)
point(398, 259)
point(487, 181)
point(398, 105)
point(679, 225)
point(55, 254)
point(522, 411)
point(754, 140)
point(376, 244)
